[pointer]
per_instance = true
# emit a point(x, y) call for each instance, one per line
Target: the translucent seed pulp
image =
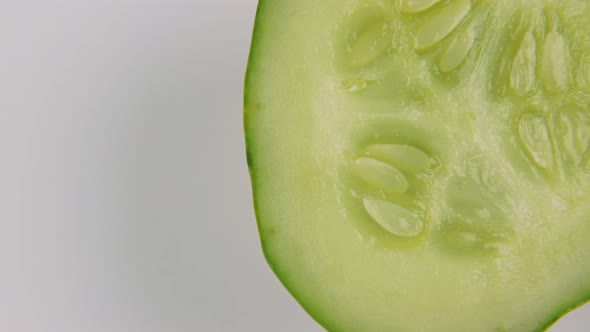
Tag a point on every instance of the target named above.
point(457, 52)
point(405, 157)
point(534, 134)
point(381, 175)
point(522, 76)
point(441, 24)
point(415, 6)
point(555, 72)
point(369, 42)
point(395, 219)
point(575, 133)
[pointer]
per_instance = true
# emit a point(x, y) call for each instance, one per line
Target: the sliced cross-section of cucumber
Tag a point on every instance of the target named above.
point(423, 165)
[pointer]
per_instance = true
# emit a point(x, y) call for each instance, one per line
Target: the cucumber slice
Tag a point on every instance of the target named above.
point(423, 165)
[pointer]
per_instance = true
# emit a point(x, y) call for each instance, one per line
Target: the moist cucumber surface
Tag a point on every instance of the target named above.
point(423, 165)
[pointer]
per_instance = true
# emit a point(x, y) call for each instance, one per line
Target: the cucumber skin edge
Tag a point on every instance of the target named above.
point(250, 159)
point(251, 64)
point(564, 312)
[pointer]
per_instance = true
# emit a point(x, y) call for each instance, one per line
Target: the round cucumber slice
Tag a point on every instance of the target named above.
point(423, 165)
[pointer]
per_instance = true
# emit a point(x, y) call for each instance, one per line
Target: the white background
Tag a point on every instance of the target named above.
point(125, 201)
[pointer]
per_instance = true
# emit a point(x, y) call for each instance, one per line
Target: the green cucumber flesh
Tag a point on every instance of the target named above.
point(423, 165)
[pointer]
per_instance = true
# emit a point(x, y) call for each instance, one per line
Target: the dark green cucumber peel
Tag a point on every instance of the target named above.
point(455, 149)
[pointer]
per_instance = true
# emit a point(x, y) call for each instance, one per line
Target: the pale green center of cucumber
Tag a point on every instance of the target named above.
point(500, 95)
